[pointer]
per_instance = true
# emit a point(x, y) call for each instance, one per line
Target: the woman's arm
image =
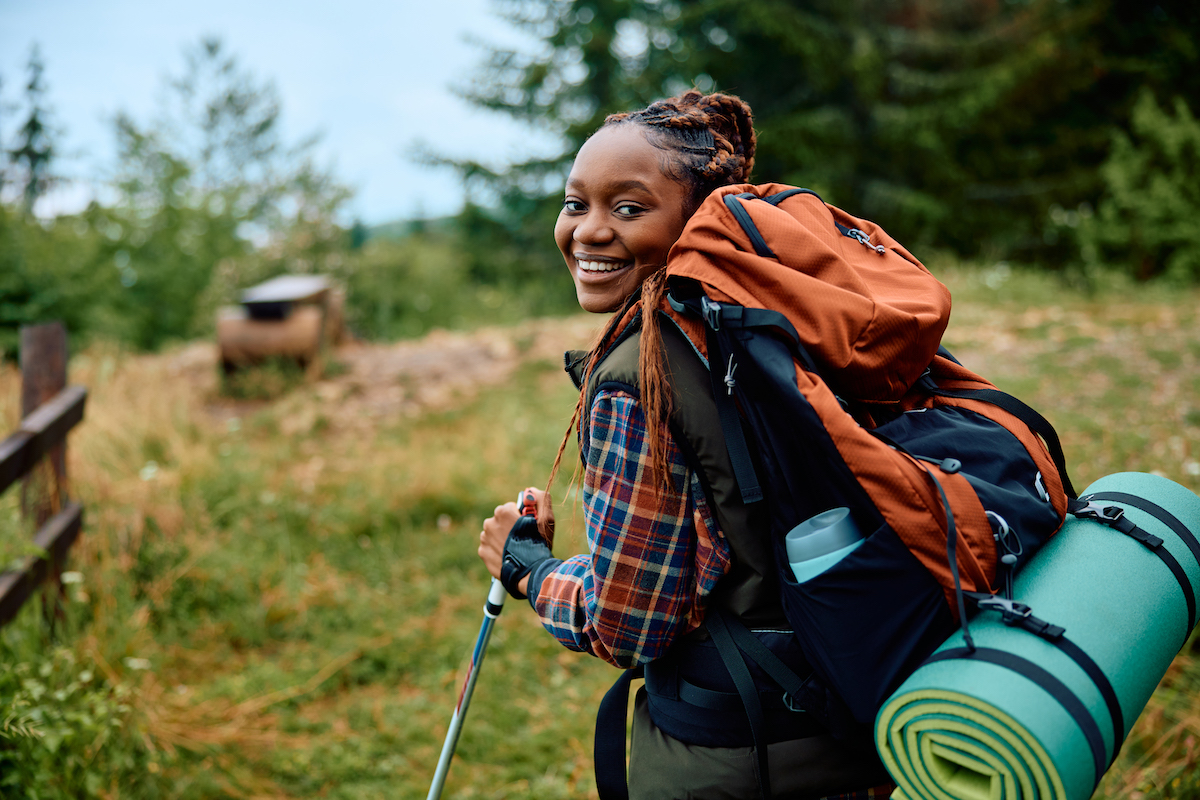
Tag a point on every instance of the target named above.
point(648, 570)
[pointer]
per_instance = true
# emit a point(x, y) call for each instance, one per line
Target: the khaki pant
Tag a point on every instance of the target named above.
point(663, 768)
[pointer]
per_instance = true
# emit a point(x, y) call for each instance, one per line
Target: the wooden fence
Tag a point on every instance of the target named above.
point(49, 410)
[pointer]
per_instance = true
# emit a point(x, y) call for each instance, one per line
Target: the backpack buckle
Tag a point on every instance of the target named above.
point(1094, 510)
point(791, 705)
point(711, 312)
point(1011, 611)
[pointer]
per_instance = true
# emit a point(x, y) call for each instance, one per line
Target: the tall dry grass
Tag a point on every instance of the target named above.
point(291, 595)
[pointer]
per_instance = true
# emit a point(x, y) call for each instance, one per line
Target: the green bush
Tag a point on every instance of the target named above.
point(269, 380)
point(1148, 222)
point(66, 732)
point(404, 288)
point(46, 273)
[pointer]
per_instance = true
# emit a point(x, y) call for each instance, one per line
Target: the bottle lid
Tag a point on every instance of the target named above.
point(826, 532)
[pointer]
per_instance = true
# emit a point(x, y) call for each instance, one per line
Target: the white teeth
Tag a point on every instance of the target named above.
point(598, 266)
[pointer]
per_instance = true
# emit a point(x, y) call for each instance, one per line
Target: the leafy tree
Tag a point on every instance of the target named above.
point(959, 124)
point(210, 198)
point(47, 273)
point(45, 265)
point(222, 126)
point(1148, 221)
point(34, 150)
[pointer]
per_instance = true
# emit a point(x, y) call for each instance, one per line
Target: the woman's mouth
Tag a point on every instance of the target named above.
point(600, 266)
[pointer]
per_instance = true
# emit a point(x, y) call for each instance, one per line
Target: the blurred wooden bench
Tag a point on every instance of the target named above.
point(291, 316)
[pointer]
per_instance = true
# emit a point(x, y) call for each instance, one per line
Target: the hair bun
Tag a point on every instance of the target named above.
point(730, 118)
point(712, 135)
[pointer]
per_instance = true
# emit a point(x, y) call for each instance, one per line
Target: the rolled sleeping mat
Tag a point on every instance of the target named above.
point(1041, 717)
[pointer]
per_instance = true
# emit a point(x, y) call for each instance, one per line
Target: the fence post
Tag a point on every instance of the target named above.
point(43, 357)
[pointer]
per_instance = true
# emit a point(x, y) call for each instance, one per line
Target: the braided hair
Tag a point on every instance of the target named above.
point(710, 139)
point(709, 142)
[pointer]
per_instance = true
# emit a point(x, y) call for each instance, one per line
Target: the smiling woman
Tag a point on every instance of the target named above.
point(668, 541)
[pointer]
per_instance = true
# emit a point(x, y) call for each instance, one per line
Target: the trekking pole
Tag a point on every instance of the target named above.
point(491, 610)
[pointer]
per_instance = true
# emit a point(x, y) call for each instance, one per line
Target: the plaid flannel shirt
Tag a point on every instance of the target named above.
point(652, 564)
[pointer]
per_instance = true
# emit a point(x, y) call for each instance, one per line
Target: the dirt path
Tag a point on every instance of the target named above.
point(443, 368)
point(371, 382)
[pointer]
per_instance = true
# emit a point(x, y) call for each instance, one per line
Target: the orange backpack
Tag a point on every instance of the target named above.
point(822, 336)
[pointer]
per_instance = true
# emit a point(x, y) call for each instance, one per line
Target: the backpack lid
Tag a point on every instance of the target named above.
point(871, 320)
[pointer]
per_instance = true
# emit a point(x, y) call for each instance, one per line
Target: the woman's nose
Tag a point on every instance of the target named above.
point(593, 229)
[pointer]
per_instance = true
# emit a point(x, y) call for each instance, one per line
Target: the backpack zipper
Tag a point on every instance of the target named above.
point(729, 381)
point(863, 239)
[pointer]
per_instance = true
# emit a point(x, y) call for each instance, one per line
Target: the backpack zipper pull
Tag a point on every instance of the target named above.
point(729, 381)
point(865, 240)
point(1005, 539)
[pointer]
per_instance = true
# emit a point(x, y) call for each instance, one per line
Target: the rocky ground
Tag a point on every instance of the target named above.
point(364, 383)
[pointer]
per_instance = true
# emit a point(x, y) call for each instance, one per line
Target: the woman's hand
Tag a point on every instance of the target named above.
point(496, 528)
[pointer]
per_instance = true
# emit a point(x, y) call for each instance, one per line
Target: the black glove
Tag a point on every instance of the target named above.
point(524, 550)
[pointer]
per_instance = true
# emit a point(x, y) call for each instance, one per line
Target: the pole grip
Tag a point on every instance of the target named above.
point(495, 599)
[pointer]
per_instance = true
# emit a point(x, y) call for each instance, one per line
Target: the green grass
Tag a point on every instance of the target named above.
point(307, 603)
point(288, 611)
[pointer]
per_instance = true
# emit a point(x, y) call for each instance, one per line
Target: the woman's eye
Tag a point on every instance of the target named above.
point(628, 210)
point(572, 206)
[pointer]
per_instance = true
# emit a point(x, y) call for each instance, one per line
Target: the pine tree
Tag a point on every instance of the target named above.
point(958, 124)
point(35, 149)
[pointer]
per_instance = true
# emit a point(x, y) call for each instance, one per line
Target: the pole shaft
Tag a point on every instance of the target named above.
point(491, 611)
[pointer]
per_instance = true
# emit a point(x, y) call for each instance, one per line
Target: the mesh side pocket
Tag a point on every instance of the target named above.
point(868, 621)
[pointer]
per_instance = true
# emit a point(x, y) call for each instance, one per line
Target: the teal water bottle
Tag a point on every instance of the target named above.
point(819, 542)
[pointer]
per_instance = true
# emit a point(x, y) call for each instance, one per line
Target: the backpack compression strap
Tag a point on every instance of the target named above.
point(1050, 684)
point(1019, 615)
point(733, 203)
point(948, 466)
point(723, 639)
point(732, 639)
point(1090, 507)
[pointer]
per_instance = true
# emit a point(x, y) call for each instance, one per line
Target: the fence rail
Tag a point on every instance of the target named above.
point(42, 434)
point(39, 432)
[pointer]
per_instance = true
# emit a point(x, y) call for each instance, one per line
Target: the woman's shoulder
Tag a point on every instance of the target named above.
point(618, 368)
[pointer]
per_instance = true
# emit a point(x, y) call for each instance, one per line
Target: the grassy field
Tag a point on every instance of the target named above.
point(278, 598)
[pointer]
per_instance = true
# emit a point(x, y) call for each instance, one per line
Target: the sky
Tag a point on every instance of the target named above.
point(372, 78)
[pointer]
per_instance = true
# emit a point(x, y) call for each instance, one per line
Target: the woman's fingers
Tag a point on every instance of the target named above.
point(494, 535)
point(496, 528)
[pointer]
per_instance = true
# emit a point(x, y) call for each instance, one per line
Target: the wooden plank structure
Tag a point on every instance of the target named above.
point(291, 316)
point(50, 409)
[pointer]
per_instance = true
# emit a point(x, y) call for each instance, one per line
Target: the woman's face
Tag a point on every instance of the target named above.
point(620, 216)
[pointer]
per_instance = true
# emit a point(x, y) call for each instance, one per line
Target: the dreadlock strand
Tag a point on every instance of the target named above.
point(595, 351)
point(654, 382)
point(562, 445)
